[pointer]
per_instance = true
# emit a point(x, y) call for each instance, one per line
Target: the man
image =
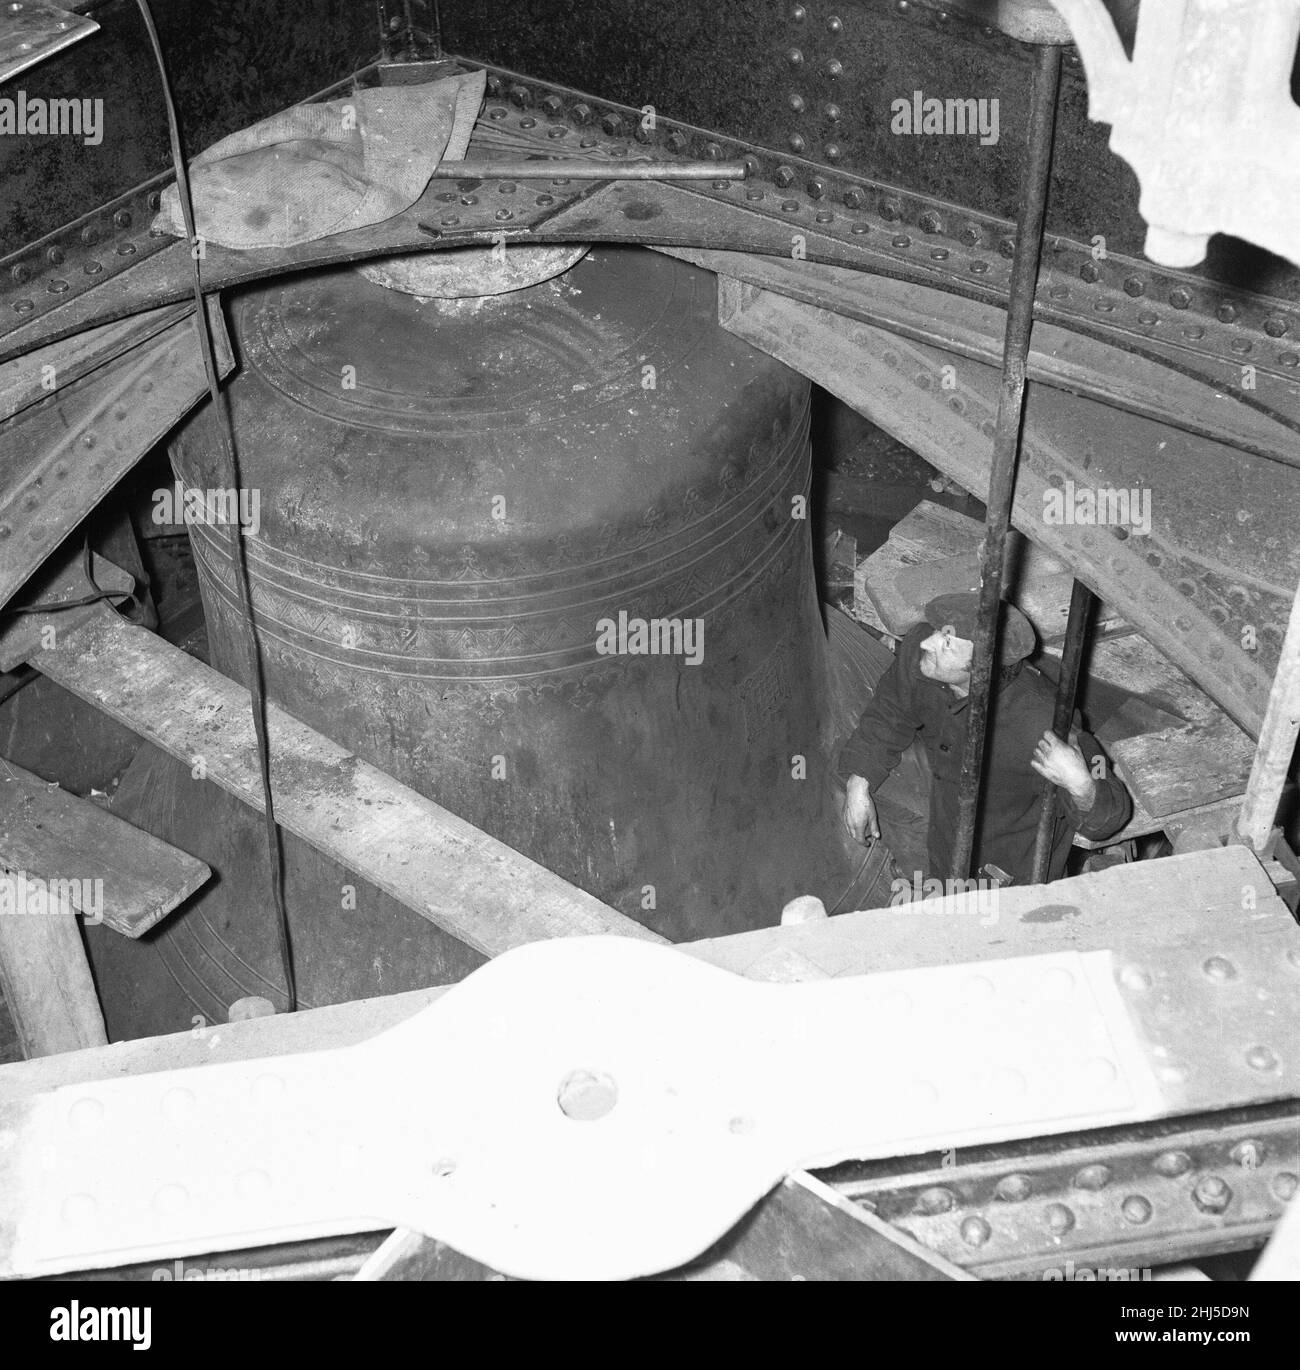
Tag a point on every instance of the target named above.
point(925, 690)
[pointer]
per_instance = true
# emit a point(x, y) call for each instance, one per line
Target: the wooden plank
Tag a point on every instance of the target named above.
point(46, 832)
point(448, 871)
point(1186, 767)
point(46, 979)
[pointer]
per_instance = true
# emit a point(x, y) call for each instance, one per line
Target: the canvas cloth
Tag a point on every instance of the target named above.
point(319, 169)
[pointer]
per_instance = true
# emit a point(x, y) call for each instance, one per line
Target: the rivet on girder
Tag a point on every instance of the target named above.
point(935, 1200)
point(975, 1231)
point(854, 198)
point(834, 24)
point(834, 69)
point(1249, 1154)
point(1226, 313)
point(1060, 1219)
point(930, 222)
point(1131, 977)
point(832, 152)
point(1013, 1188)
point(1136, 1209)
point(1263, 1059)
point(1217, 968)
point(901, 240)
point(797, 143)
point(1134, 286)
point(891, 210)
point(1180, 298)
point(1089, 273)
point(1285, 1185)
point(798, 14)
point(1092, 1177)
point(784, 177)
point(1172, 1164)
point(794, 57)
point(833, 113)
point(796, 103)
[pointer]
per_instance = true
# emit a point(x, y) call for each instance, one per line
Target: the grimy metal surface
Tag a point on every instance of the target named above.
point(1121, 1199)
point(32, 30)
point(1206, 329)
point(230, 63)
point(63, 455)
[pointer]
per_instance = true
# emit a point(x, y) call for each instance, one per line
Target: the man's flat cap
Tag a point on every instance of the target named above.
point(962, 612)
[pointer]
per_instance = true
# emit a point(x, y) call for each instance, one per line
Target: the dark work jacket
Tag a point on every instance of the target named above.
point(906, 702)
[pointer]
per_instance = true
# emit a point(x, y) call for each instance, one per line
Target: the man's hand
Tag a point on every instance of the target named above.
point(859, 810)
point(1063, 764)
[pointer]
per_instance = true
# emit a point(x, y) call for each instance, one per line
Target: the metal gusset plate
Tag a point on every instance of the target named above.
point(32, 30)
point(946, 412)
point(63, 454)
point(785, 205)
point(802, 1230)
point(632, 1069)
point(1119, 1202)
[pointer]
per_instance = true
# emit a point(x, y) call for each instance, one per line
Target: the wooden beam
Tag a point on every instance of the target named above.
point(448, 871)
point(52, 835)
point(46, 979)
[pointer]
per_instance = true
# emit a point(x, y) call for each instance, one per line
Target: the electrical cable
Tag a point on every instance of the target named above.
point(230, 464)
point(52, 606)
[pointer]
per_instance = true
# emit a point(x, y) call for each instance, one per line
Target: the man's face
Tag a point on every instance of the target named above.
point(945, 657)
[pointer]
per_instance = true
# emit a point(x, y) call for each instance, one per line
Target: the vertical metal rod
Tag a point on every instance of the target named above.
point(1006, 441)
point(1277, 739)
point(1067, 687)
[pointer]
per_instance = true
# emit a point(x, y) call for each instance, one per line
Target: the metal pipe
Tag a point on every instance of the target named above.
point(1067, 687)
point(1006, 441)
point(1277, 739)
point(486, 169)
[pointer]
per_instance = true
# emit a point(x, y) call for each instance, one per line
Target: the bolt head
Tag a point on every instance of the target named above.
point(1212, 1194)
